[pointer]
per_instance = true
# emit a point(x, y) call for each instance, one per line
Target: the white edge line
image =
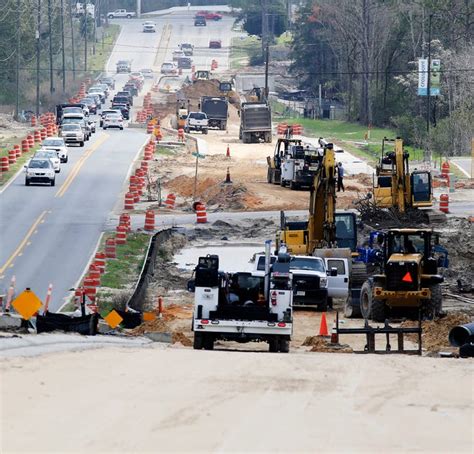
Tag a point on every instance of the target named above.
point(71, 294)
point(468, 175)
point(12, 179)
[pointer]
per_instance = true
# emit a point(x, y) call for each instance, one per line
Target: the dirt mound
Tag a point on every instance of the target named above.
point(215, 193)
point(160, 326)
point(435, 332)
point(320, 344)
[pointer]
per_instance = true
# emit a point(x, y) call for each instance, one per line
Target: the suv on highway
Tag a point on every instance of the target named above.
point(185, 63)
point(73, 133)
point(168, 68)
point(113, 120)
point(56, 144)
point(82, 121)
point(40, 171)
point(121, 100)
point(110, 81)
point(200, 21)
point(187, 48)
point(149, 27)
point(196, 121)
point(51, 155)
point(124, 66)
point(90, 103)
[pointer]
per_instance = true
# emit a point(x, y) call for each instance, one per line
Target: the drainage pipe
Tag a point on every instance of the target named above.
point(461, 334)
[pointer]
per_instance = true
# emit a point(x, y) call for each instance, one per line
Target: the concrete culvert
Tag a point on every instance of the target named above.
point(461, 334)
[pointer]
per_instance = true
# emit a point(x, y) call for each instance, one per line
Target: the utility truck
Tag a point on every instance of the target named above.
point(243, 307)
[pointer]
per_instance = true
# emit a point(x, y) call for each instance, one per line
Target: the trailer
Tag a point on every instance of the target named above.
point(255, 122)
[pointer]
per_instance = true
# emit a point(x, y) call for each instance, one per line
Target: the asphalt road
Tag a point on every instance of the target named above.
point(50, 233)
point(465, 164)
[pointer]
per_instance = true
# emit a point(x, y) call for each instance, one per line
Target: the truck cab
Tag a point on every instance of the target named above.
point(243, 307)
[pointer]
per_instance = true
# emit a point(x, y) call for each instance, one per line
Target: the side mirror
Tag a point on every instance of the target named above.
point(25, 166)
point(191, 286)
point(333, 272)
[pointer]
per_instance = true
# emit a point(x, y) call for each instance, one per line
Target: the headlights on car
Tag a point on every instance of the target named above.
point(323, 282)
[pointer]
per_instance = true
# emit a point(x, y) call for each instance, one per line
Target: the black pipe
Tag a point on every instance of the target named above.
point(461, 334)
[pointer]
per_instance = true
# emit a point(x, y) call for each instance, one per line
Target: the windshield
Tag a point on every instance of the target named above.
point(305, 263)
point(113, 116)
point(53, 143)
point(72, 110)
point(46, 154)
point(405, 243)
point(71, 127)
point(39, 164)
point(197, 116)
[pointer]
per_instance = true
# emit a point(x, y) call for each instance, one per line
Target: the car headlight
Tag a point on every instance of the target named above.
point(323, 282)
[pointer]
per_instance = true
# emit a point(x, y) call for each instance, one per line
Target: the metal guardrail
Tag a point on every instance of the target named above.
point(148, 269)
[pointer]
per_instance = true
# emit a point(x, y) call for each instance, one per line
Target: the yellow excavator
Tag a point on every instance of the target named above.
point(327, 233)
point(395, 187)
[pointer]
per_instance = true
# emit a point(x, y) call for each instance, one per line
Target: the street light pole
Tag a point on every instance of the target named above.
point(62, 46)
point(428, 94)
point(18, 36)
point(51, 74)
point(38, 51)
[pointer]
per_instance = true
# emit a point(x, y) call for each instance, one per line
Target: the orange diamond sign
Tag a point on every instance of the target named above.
point(27, 304)
point(148, 316)
point(407, 278)
point(113, 319)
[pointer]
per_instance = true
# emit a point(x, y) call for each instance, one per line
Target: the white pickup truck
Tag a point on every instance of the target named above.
point(241, 307)
point(196, 121)
point(316, 280)
point(121, 13)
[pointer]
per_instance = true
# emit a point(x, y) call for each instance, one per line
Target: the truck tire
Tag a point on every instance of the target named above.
point(294, 186)
point(284, 345)
point(208, 342)
point(351, 311)
point(204, 131)
point(129, 16)
point(366, 300)
point(269, 175)
point(323, 306)
point(110, 16)
point(273, 344)
point(282, 182)
point(197, 344)
point(379, 310)
point(432, 307)
point(358, 274)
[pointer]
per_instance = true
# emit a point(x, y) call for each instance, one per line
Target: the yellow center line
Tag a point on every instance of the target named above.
point(77, 167)
point(23, 242)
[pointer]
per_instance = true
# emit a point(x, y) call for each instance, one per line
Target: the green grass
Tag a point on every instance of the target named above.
point(164, 151)
point(242, 50)
point(124, 270)
point(96, 63)
point(20, 162)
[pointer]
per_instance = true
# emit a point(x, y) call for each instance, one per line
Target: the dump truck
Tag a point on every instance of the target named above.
point(255, 122)
point(241, 307)
point(216, 108)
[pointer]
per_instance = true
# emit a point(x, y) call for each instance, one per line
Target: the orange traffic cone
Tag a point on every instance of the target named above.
point(323, 327)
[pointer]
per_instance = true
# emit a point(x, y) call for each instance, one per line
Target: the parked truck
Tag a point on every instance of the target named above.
point(121, 13)
point(216, 108)
point(242, 307)
point(255, 122)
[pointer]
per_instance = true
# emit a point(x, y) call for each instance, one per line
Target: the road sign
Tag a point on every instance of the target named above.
point(113, 319)
point(27, 304)
point(198, 155)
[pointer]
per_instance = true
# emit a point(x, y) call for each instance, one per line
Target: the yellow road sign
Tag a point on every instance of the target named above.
point(148, 316)
point(113, 319)
point(27, 304)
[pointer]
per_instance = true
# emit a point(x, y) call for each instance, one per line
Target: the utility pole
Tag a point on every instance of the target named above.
point(139, 8)
point(62, 46)
point(17, 106)
point(95, 27)
point(72, 42)
point(51, 74)
point(428, 94)
point(85, 36)
point(38, 51)
point(264, 4)
point(267, 61)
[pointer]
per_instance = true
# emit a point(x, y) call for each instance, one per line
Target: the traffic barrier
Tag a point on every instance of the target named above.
point(78, 294)
point(90, 288)
point(110, 248)
point(4, 164)
point(149, 220)
point(323, 327)
point(17, 150)
point(11, 156)
point(334, 334)
point(444, 203)
point(282, 128)
point(94, 273)
point(129, 199)
point(37, 136)
point(149, 127)
point(99, 261)
point(201, 215)
point(170, 201)
point(296, 129)
point(125, 220)
point(43, 133)
point(31, 141)
point(33, 121)
point(181, 134)
point(136, 196)
point(10, 293)
point(48, 298)
point(144, 166)
point(121, 235)
point(25, 147)
point(445, 168)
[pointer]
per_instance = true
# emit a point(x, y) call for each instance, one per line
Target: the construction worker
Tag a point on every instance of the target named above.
point(340, 177)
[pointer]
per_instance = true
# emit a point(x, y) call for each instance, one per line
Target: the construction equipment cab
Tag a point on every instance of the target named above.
point(395, 186)
point(409, 280)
